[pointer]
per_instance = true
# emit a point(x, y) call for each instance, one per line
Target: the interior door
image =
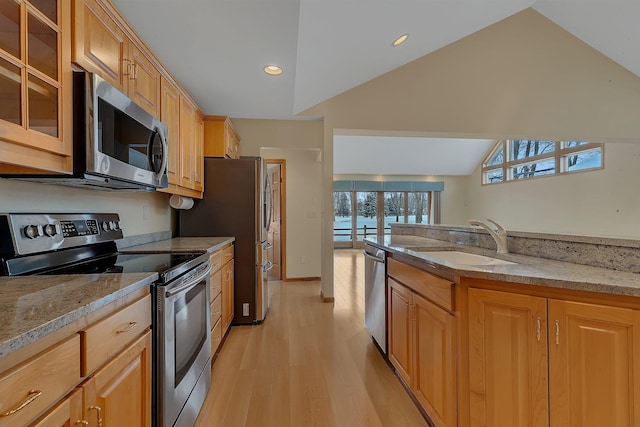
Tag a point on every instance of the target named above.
point(274, 235)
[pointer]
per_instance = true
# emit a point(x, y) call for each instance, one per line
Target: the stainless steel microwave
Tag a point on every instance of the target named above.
point(117, 145)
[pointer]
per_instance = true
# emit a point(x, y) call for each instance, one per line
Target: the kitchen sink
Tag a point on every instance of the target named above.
point(464, 258)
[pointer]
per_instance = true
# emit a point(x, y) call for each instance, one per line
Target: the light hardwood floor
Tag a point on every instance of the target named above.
point(309, 364)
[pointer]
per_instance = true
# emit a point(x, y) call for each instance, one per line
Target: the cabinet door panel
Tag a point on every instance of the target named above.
point(144, 82)
point(594, 359)
point(120, 392)
point(170, 116)
point(434, 374)
point(507, 359)
point(400, 329)
point(99, 45)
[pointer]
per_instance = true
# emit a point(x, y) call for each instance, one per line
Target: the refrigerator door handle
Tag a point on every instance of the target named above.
point(266, 266)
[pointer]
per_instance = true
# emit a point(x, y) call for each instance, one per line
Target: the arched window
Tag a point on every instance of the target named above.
point(517, 159)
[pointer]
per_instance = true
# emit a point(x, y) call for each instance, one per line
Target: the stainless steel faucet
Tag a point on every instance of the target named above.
point(499, 234)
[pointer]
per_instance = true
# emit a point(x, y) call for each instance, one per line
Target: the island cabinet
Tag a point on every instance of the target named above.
point(97, 376)
point(422, 338)
point(35, 87)
point(536, 361)
point(220, 138)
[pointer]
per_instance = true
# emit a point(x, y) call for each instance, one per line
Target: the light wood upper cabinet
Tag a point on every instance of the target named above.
point(170, 116)
point(220, 138)
point(191, 160)
point(594, 354)
point(99, 44)
point(102, 46)
point(35, 78)
point(507, 359)
point(143, 81)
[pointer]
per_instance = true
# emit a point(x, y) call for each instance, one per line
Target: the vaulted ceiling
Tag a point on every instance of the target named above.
point(217, 48)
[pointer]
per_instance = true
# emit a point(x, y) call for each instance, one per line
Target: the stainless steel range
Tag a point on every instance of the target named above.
point(33, 244)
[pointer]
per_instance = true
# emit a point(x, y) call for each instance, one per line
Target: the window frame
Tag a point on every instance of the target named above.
point(558, 155)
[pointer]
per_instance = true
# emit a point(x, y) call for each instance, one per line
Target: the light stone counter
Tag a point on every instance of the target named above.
point(183, 244)
point(527, 270)
point(35, 306)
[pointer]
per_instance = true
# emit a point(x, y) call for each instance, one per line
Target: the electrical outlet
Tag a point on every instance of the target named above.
point(245, 309)
point(301, 260)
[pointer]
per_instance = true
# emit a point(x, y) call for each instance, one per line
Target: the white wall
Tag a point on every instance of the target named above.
point(303, 212)
point(299, 143)
point(140, 212)
point(598, 203)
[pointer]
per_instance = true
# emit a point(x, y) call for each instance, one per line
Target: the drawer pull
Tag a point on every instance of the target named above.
point(99, 411)
point(128, 328)
point(33, 395)
point(83, 422)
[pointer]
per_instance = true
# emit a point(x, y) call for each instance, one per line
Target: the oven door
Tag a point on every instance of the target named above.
point(183, 344)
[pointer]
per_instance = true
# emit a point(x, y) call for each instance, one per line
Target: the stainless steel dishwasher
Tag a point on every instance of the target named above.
point(375, 295)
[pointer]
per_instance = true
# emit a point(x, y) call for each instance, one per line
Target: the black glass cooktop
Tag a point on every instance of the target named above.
point(125, 263)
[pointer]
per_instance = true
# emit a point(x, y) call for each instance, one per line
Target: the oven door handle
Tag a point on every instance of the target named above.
point(190, 284)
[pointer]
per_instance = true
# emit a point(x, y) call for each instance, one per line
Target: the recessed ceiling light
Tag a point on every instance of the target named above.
point(273, 70)
point(403, 38)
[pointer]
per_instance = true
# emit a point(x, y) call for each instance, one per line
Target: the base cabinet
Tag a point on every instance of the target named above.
point(507, 359)
point(119, 394)
point(67, 413)
point(590, 355)
point(422, 339)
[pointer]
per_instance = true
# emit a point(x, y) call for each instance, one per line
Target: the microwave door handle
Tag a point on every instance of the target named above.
point(165, 151)
point(190, 284)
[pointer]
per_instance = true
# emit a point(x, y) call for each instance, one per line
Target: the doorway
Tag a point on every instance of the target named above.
point(276, 169)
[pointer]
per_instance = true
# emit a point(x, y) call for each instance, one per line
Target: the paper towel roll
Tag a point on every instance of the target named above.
point(180, 202)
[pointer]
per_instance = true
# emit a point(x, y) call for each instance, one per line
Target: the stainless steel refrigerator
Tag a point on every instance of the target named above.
point(237, 203)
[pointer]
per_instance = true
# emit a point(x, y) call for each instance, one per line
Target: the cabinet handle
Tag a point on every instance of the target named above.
point(128, 67)
point(557, 332)
point(99, 411)
point(538, 328)
point(127, 328)
point(33, 395)
point(83, 422)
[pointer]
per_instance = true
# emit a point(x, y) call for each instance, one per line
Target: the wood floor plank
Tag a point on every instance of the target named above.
point(308, 364)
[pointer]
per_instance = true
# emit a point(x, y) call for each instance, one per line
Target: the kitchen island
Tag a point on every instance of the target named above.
point(527, 341)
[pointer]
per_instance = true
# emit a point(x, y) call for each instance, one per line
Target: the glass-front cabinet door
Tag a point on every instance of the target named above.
point(35, 79)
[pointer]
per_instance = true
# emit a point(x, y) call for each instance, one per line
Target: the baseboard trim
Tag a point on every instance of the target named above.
point(326, 299)
point(301, 279)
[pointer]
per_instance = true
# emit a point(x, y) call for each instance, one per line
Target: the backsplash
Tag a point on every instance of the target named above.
point(615, 254)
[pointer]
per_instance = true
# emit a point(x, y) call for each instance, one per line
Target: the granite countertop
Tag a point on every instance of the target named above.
point(526, 270)
point(34, 306)
point(183, 244)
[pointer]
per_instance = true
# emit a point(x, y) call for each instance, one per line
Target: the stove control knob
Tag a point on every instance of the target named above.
point(112, 225)
point(105, 225)
point(117, 225)
point(50, 230)
point(33, 231)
